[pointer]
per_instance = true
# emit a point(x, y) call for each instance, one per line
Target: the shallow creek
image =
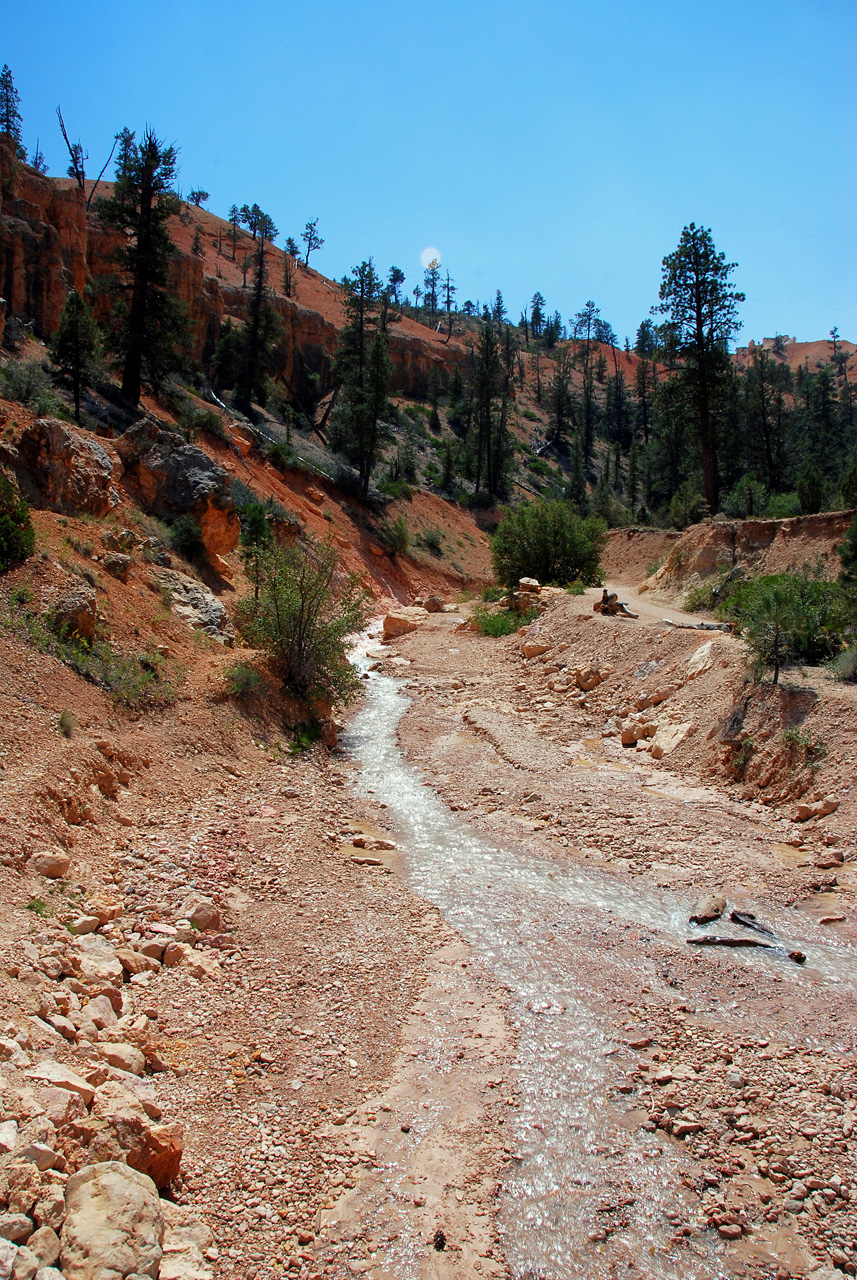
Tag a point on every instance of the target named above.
point(531, 921)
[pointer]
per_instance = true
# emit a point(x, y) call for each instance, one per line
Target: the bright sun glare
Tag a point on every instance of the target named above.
point(429, 254)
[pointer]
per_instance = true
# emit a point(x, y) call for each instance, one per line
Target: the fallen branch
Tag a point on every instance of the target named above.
point(698, 626)
point(748, 921)
point(715, 940)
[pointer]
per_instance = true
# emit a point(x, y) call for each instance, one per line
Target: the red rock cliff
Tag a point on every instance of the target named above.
point(48, 244)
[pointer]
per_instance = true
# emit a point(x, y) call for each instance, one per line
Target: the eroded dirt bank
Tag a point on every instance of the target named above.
point(737, 1067)
point(234, 991)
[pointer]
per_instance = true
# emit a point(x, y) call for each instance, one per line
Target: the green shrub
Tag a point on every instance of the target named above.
point(433, 539)
point(137, 681)
point(844, 665)
point(813, 748)
point(67, 723)
point(304, 736)
point(788, 617)
point(576, 588)
point(490, 623)
point(492, 594)
point(280, 453)
point(395, 488)
point(712, 594)
point(548, 541)
point(243, 680)
point(29, 383)
point(17, 536)
point(395, 535)
point(186, 537)
point(303, 615)
point(782, 506)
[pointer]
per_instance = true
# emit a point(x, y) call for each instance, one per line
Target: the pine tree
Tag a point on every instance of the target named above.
point(262, 326)
point(10, 114)
point(701, 307)
point(560, 397)
point(449, 291)
point(150, 328)
point(363, 370)
point(74, 344)
point(434, 393)
point(632, 485)
point(810, 487)
point(576, 487)
point(485, 377)
point(234, 223)
point(289, 274)
point(312, 240)
point(396, 279)
point(537, 314)
point(498, 312)
point(431, 280)
point(644, 386)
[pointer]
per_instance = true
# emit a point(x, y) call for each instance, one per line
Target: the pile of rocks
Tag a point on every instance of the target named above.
point(84, 1148)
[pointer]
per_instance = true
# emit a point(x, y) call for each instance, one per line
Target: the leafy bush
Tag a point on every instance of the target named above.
point(395, 535)
point(304, 736)
point(138, 682)
point(280, 453)
point(548, 541)
point(712, 594)
point(502, 623)
point(186, 537)
point(492, 594)
point(810, 487)
point(395, 488)
point(782, 506)
point(303, 615)
point(844, 665)
point(788, 617)
point(67, 723)
point(17, 536)
point(243, 680)
point(29, 383)
point(433, 539)
point(193, 420)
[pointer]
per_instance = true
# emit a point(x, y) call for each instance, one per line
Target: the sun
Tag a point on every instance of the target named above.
point(429, 255)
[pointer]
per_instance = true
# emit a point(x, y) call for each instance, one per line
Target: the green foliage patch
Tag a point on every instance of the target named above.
point(17, 536)
point(549, 541)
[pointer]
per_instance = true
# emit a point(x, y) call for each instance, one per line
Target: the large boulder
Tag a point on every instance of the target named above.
point(176, 478)
point(186, 1240)
point(400, 621)
point(120, 1126)
point(114, 1226)
point(194, 602)
point(51, 863)
point(96, 961)
point(74, 614)
point(63, 469)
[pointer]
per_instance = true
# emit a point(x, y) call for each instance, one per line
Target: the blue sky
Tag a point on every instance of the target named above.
point(559, 146)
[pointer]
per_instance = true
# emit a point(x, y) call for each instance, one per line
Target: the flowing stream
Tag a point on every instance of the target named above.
point(523, 916)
